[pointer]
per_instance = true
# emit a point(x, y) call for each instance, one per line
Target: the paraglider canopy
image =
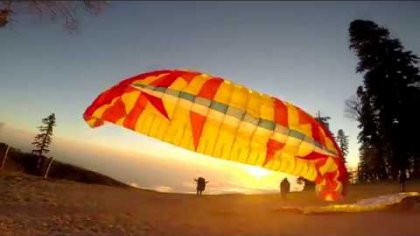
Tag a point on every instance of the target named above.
point(216, 117)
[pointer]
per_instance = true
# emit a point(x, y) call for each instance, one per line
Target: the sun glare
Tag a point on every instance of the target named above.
point(257, 172)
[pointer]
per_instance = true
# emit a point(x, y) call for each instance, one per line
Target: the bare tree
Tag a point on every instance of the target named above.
point(352, 109)
point(66, 12)
point(353, 105)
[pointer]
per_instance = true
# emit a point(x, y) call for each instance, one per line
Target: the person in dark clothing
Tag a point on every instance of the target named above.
point(201, 185)
point(284, 188)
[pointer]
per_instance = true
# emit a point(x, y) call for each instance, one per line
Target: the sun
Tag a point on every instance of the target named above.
point(256, 171)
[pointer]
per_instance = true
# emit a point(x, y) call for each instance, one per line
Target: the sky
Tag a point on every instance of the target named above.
point(297, 51)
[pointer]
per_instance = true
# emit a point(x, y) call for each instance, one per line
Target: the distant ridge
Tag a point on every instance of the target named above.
point(25, 162)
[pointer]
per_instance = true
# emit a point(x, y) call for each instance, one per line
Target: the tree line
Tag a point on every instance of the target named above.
point(386, 106)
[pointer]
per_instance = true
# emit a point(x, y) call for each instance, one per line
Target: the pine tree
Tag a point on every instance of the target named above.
point(343, 142)
point(389, 75)
point(44, 138)
point(324, 121)
point(372, 157)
